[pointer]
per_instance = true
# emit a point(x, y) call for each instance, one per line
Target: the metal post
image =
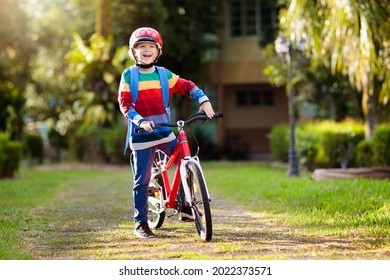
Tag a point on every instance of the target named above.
point(293, 166)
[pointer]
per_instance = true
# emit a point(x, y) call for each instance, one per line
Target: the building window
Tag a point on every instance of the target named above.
point(254, 97)
point(252, 17)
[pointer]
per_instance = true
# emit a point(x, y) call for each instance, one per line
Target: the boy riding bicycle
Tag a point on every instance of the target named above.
point(148, 108)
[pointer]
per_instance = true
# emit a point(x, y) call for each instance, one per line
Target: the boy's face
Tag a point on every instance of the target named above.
point(146, 52)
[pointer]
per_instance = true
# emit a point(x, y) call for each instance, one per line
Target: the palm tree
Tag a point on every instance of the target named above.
point(351, 38)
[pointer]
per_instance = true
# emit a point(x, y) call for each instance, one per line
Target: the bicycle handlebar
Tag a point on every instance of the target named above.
point(195, 117)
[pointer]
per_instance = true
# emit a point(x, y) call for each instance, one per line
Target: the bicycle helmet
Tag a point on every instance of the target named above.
point(145, 34)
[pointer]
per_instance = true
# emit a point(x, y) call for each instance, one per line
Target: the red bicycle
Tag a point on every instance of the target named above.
point(188, 174)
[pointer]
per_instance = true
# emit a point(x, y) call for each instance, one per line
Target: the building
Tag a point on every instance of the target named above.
point(250, 104)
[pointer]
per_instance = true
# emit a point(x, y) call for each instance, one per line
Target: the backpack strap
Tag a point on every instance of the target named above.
point(162, 73)
point(134, 83)
point(134, 94)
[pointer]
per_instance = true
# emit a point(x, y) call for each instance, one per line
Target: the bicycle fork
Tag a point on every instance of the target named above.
point(184, 174)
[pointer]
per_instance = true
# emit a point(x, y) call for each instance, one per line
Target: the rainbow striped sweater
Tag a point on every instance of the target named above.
point(150, 106)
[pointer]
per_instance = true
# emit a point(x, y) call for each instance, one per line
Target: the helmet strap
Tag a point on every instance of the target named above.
point(145, 65)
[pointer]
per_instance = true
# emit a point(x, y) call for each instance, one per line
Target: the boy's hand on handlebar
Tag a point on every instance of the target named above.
point(208, 109)
point(147, 125)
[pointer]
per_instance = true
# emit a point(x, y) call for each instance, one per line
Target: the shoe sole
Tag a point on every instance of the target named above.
point(184, 219)
point(142, 236)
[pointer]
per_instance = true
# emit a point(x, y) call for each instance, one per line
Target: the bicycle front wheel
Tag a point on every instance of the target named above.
point(200, 202)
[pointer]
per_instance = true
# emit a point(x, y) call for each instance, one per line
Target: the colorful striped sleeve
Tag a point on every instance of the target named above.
point(185, 87)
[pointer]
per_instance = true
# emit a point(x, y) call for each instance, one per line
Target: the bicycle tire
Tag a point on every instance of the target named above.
point(155, 215)
point(200, 202)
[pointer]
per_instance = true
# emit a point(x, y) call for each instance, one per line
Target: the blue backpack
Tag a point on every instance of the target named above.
point(162, 73)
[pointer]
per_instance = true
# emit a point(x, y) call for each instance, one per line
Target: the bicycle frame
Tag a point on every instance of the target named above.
point(181, 155)
point(188, 174)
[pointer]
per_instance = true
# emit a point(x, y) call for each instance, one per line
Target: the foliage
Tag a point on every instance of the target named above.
point(322, 144)
point(188, 29)
point(85, 144)
point(364, 153)
point(309, 146)
point(10, 155)
point(33, 145)
point(58, 142)
point(349, 38)
point(279, 142)
point(114, 140)
point(95, 74)
point(98, 144)
point(51, 95)
point(86, 90)
point(16, 49)
point(339, 143)
point(381, 145)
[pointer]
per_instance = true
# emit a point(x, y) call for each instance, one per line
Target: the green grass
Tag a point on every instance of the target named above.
point(88, 209)
point(31, 189)
point(336, 207)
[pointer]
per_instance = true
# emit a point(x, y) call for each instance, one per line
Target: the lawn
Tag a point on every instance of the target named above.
point(336, 207)
point(352, 209)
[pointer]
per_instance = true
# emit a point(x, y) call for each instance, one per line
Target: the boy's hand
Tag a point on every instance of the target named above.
point(208, 109)
point(147, 125)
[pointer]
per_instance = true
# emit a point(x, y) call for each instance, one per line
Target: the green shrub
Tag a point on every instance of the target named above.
point(114, 140)
point(96, 144)
point(364, 154)
point(58, 142)
point(10, 156)
point(279, 142)
point(86, 144)
point(319, 144)
point(34, 147)
point(308, 145)
point(339, 142)
point(381, 145)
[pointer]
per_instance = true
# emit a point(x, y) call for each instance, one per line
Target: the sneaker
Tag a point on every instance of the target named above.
point(142, 230)
point(186, 215)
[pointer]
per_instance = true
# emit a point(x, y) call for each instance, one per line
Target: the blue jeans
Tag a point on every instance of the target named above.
point(143, 162)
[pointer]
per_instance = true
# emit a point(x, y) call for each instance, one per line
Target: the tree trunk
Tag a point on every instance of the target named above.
point(103, 18)
point(369, 104)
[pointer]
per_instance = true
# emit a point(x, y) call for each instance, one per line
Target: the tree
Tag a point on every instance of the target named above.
point(51, 96)
point(16, 49)
point(76, 76)
point(189, 34)
point(103, 18)
point(351, 38)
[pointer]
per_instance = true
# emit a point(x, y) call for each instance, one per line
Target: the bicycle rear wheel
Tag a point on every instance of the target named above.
point(200, 202)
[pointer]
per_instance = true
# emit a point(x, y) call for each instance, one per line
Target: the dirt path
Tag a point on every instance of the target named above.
point(94, 222)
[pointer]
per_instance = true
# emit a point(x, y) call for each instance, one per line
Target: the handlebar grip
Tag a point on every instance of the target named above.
point(218, 115)
point(139, 129)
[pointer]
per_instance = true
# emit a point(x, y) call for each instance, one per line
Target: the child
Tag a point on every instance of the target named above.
point(145, 47)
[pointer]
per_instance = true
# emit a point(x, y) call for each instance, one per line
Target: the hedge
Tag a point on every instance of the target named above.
point(328, 144)
point(96, 144)
point(10, 156)
point(33, 145)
